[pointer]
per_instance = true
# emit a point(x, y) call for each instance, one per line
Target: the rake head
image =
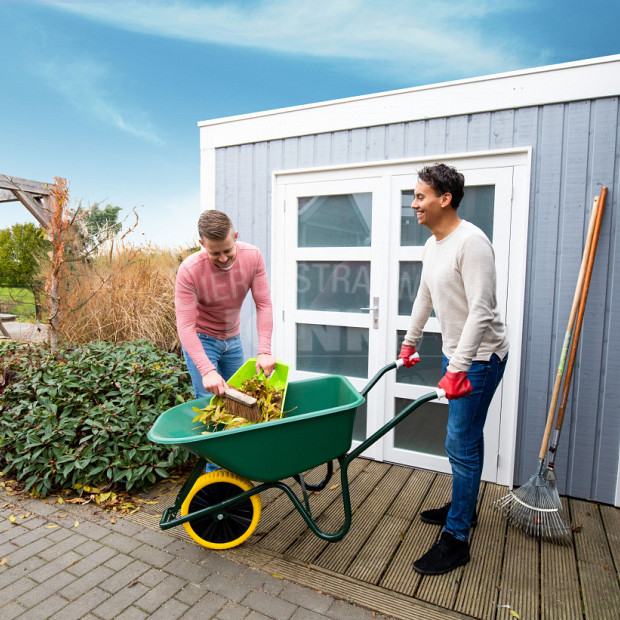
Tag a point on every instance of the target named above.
point(536, 509)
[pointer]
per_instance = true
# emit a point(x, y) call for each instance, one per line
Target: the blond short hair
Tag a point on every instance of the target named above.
point(214, 225)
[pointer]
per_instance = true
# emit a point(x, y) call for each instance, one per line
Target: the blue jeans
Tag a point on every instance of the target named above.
point(465, 441)
point(225, 355)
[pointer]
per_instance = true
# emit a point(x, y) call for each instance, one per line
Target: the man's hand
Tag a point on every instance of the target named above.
point(406, 351)
point(455, 385)
point(213, 382)
point(266, 362)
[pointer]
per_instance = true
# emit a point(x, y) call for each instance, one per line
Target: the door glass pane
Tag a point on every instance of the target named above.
point(429, 370)
point(476, 207)
point(341, 286)
point(331, 349)
point(343, 220)
point(411, 233)
point(424, 430)
point(409, 274)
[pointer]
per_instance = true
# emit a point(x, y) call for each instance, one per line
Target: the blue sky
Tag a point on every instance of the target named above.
point(108, 94)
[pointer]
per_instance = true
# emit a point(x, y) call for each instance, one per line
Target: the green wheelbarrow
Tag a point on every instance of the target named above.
point(220, 509)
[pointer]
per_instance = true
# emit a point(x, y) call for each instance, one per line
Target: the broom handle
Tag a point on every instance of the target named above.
point(569, 331)
point(582, 308)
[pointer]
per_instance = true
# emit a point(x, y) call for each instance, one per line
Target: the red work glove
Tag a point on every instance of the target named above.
point(406, 351)
point(455, 385)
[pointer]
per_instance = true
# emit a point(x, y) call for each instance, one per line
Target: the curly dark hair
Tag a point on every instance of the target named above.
point(444, 180)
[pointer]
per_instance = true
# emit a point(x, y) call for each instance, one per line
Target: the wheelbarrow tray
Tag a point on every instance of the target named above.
point(317, 428)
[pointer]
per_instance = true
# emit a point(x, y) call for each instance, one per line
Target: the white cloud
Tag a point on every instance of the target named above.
point(85, 85)
point(400, 36)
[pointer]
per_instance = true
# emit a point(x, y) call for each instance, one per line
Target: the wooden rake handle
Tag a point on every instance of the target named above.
point(582, 308)
point(569, 329)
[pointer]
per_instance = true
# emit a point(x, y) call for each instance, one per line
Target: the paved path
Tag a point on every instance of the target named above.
point(69, 561)
point(27, 332)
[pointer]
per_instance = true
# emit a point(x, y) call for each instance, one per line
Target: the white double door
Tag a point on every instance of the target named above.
point(345, 269)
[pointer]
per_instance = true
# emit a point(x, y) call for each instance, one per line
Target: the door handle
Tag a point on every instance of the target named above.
point(375, 312)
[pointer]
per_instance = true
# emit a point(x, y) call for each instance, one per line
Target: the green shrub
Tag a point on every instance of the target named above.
point(80, 416)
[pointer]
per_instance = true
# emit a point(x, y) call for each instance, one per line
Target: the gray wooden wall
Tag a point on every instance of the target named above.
point(576, 150)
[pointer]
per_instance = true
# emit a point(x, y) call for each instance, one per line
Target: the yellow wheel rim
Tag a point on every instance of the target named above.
point(228, 528)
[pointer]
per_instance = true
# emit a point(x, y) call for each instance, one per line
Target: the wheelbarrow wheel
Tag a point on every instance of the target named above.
point(227, 528)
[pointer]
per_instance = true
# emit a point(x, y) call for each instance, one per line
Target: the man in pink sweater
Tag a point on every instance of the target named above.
point(211, 286)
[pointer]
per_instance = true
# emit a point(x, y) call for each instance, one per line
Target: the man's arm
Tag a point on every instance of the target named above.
point(264, 318)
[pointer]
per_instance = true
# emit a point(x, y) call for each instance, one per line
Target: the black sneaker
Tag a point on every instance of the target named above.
point(438, 516)
point(445, 555)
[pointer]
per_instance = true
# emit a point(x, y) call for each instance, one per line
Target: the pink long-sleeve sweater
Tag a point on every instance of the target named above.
point(208, 300)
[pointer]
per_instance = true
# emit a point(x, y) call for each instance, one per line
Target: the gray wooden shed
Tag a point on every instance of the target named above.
point(536, 146)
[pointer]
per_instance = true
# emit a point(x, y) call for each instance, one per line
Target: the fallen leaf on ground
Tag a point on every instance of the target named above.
point(76, 524)
point(3, 561)
point(49, 527)
point(12, 518)
point(112, 520)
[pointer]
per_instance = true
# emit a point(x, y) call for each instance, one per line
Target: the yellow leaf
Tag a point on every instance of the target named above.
point(59, 500)
point(49, 527)
point(76, 524)
point(3, 561)
point(514, 614)
point(334, 486)
point(276, 575)
point(12, 518)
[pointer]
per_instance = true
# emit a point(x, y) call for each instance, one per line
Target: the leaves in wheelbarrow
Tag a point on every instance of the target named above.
point(269, 402)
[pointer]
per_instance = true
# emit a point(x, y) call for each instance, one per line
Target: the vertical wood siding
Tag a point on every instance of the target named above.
point(576, 150)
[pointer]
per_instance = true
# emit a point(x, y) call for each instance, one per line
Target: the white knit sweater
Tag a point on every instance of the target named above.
point(459, 282)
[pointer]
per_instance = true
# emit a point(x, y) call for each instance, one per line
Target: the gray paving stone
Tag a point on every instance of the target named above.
point(225, 586)
point(345, 611)
point(154, 538)
point(232, 611)
point(207, 607)
point(45, 608)
point(59, 534)
point(306, 614)
point(55, 566)
point(152, 577)
point(188, 571)
point(120, 601)
point(118, 561)
point(12, 610)
point(122, 526)
point(190, 594)
point(68, 544)
point(269, 605)
point(125, 576)
point(38, 506)
point(254, 615)
point(306, 598)
point(152, 556)
point(88, 547)
point(93, 530)
point(95, 559)
point(219, 564)
point(158, 595)
point(32, 522)
point(24, 569)
point(123, 543)
point(6, 548)
point(192, 552)
point(28, 551)
point(23, 537)
point(87, 582)
point(81, 606)
point(44, 590)
point(132, 613)
point(15, 589)
point(171, 610)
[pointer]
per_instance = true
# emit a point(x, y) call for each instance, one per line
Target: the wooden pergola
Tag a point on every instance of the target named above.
point(34, 195)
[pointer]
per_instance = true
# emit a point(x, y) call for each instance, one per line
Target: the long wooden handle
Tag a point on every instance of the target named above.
point(582, 308)
point(569, 330)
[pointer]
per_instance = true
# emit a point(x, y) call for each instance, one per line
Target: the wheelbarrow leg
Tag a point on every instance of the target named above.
point(171, 512)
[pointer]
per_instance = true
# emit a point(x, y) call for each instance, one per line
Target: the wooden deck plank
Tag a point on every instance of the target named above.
point(599, 582)
point(477, 595)
point(400, 576)
point(559, 581)
point(286, 526)
point(407, 504)
point(373, 558)
point(520, 587)
point(338, 557)
point(308, 546)
point(611, 523)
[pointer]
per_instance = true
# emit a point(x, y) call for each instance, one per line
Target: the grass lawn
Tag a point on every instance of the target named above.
point(17, 301)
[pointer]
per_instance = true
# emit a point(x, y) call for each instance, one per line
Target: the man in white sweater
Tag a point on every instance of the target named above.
point(459, 282)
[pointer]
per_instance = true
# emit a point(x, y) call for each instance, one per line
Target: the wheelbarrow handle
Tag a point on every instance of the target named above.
point(401, 362)
point(396, 364)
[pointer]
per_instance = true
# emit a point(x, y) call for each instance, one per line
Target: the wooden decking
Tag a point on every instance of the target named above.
point(509, 571)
